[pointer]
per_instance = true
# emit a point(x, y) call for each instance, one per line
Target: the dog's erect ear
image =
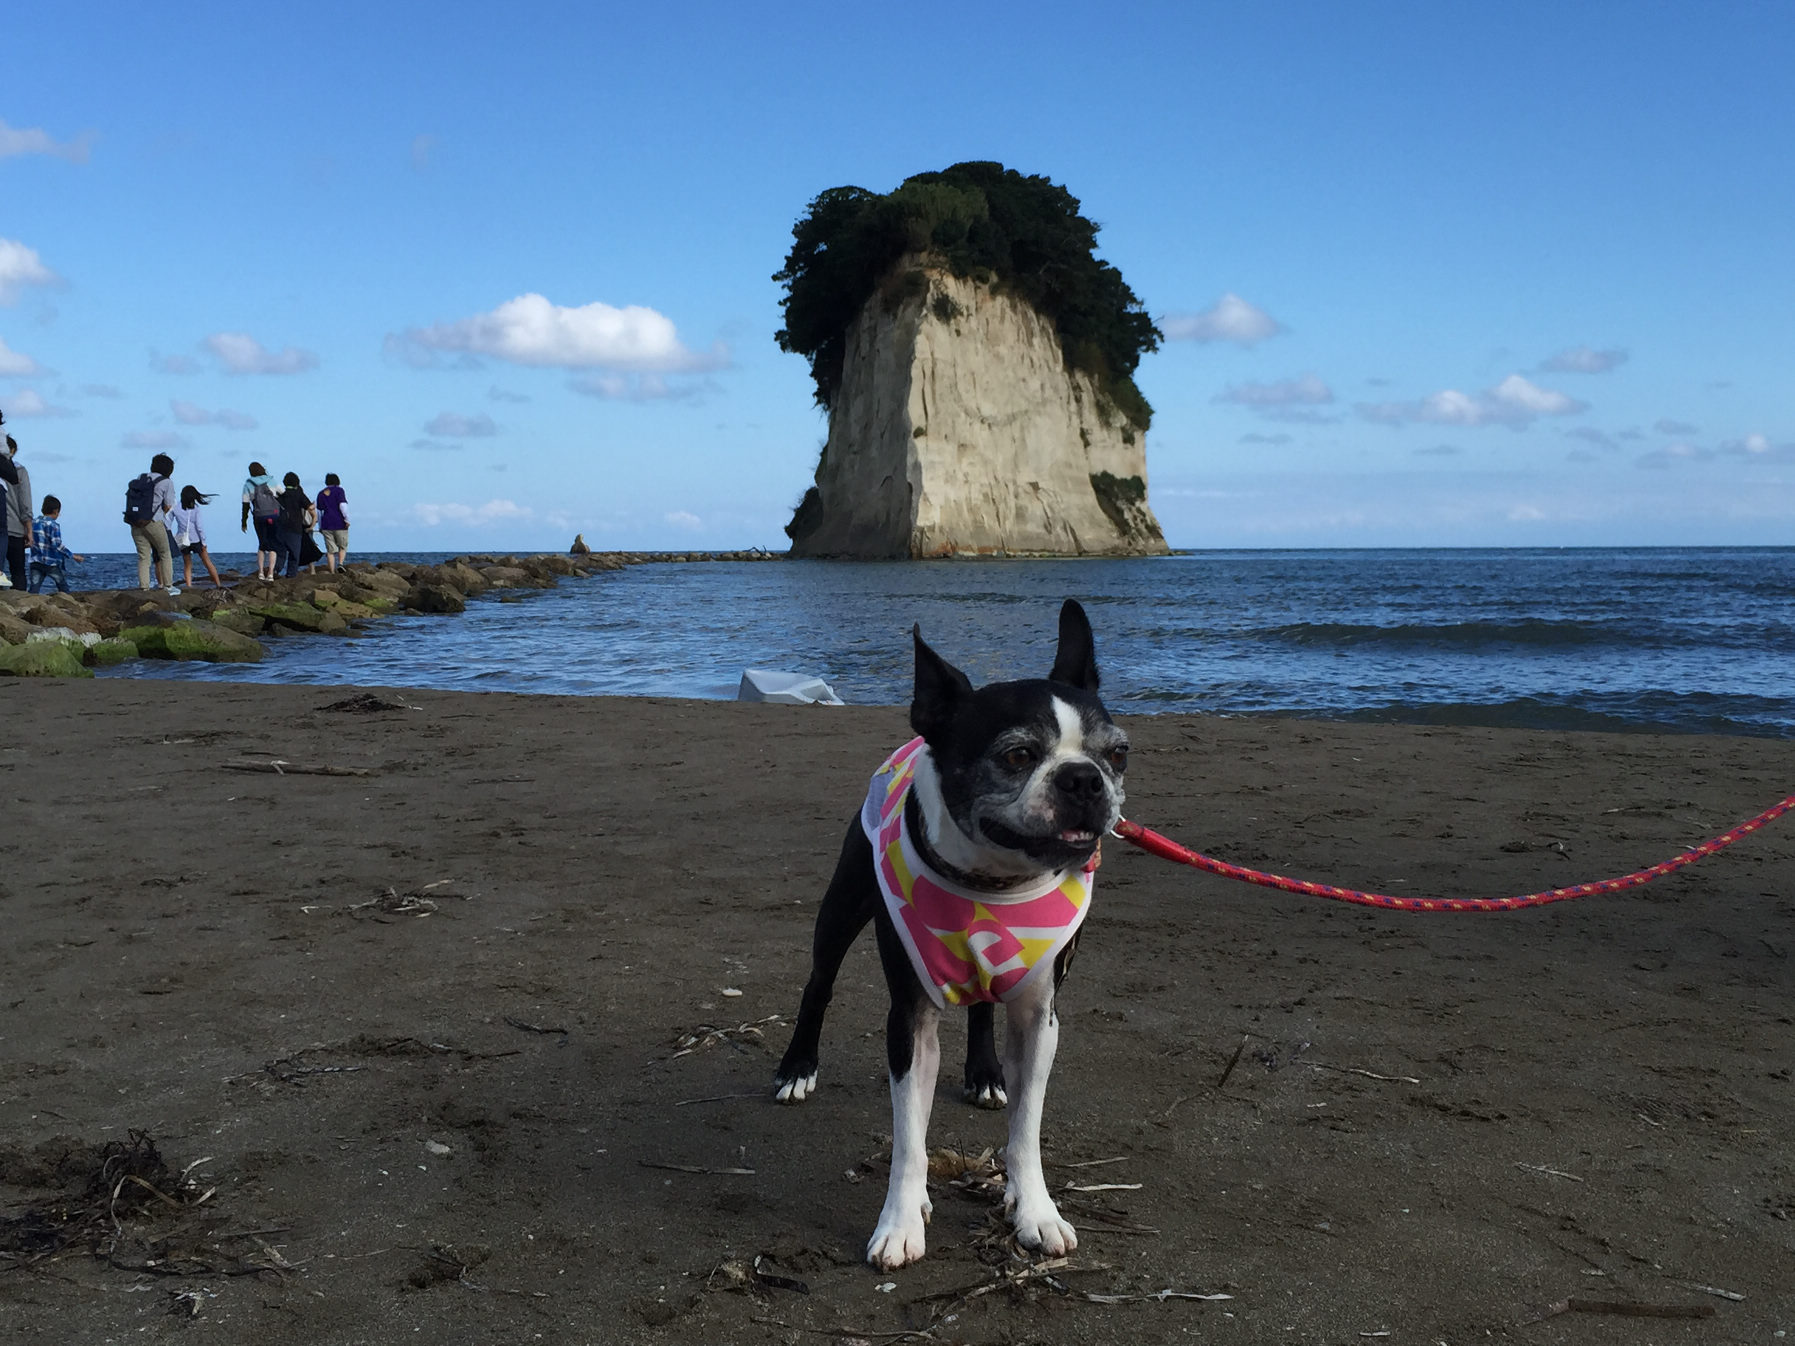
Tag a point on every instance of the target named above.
point(940, 687)
point(1076, 663)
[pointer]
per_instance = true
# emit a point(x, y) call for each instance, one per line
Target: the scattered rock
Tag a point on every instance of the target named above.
point(435, 598)
point(44, 659)
point(195, 639)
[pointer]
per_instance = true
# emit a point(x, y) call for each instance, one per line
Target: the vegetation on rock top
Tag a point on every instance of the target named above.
point(1023, 234)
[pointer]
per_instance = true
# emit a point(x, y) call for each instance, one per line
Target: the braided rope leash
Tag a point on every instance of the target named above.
point(1167, 849)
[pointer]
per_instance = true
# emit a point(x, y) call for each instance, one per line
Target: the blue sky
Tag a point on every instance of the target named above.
point(1432, 275)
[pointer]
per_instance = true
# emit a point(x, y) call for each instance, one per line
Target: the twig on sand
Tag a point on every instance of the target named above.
point(1625, 1308)
point(1093, 1163)
point(1233, 1061)
point(281, 767)
point(852, 1333)
point(1550, 1172)
point(716, 1098)
point(535, 1028)
point(1160, 1295)
point(696, 1168)
point(1368, 1074)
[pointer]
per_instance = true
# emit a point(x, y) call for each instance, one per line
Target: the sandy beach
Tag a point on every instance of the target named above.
point(474, 1047)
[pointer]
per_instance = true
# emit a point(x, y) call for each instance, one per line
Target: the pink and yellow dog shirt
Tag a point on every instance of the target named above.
point(965, 946)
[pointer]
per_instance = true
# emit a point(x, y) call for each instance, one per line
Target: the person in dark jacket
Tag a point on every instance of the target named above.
point(293, 525)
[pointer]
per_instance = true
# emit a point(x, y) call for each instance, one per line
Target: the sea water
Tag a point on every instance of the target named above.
point(1663, 639)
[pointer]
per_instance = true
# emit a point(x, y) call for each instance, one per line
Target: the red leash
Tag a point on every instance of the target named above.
point(1166, 849)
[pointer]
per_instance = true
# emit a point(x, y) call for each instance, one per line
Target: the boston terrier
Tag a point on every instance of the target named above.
point(973, 856)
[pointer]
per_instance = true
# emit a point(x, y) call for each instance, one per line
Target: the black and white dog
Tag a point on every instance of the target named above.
point(973, 855)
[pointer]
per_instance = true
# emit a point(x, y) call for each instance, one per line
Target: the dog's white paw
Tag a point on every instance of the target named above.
point(899, 1239)
point(795, 1091)
point(989, 1096)
point(1040, 1229)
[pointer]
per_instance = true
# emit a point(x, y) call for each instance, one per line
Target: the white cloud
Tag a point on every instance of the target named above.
point(680, 518)
point(498, 394)
point(493, 511)
point(241, 353)
point(436, 446)
point(1306, 391)
point(1590, 435)
point(100, 390)
point(1584, 360)
point(529, 330)
point(29, 402)
point(636, 387)
point(1230, 318)
point(1667, 426)
point(1672, 454)
point(1256, 437)
point(36, 140)
point(454, 425)
point(21, 266)
point(153, 439)
point(173, 364)
point(15, 364)
point(189, 414)
point(1758, 446)
point(1514, 402)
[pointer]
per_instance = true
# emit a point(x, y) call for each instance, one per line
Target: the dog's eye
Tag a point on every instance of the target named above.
point(1117, 758)
point(1019, 759)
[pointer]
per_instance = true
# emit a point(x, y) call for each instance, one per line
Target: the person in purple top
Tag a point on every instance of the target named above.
point(333, 522)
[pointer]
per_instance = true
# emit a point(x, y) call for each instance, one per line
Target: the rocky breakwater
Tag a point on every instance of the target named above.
point(69, 635)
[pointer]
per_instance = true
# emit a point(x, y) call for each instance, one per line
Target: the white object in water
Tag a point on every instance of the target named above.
point(786, 689)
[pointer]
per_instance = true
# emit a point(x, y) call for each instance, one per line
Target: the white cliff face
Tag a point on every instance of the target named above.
point(957, 430)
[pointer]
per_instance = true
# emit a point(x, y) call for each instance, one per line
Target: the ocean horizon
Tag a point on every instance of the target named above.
point(1672, 639)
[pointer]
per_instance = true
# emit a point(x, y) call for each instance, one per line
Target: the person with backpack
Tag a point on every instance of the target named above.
point(293, 528)
point(148, 500)
point(262, 504)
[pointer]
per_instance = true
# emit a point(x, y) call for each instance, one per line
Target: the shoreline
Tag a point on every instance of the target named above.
point(441, 1006)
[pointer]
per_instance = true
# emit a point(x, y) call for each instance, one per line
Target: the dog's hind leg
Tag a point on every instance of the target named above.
point(847, 906)
point(984, 1072)
point(913, 1055)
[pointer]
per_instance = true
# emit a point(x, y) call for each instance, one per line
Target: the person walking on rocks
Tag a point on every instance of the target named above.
point(18, 516)
point(9, 478)
point(262, 504)
point(147, 502)
point(50, 557)
point(333, 521)
point(190, 534)
point(293, 526)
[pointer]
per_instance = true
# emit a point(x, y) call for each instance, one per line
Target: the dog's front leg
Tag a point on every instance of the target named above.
point(1031, 1035)
point(914, 1054)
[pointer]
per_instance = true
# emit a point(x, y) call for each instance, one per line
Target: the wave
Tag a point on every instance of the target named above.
point(1529, 633)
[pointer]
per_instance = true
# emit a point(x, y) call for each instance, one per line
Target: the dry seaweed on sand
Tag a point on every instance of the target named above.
point(123, 1204)
point(709, 1035)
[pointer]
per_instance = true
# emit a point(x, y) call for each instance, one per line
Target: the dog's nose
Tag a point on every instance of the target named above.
point(1079, 781)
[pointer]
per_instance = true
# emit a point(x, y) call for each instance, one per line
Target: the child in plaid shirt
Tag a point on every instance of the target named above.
point(49, 558)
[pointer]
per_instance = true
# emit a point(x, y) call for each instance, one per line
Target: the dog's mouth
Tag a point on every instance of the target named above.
point(1057, 849)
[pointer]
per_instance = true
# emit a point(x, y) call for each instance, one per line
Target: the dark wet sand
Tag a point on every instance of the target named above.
point(1439, 1126)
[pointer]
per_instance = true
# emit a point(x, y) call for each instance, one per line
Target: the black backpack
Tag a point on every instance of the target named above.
point(140, 499)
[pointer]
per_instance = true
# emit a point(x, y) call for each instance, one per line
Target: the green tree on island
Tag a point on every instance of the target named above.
point(976, 220)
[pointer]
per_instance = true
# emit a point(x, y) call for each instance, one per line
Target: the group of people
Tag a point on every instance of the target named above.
point(162, 522)
point(40, 534)
point(165, 522)
point(284, 520)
